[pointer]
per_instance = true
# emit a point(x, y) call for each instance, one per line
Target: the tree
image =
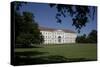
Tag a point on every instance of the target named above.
point(81, 39)
point(26, 29)
point(92, 37)
point(80, 14)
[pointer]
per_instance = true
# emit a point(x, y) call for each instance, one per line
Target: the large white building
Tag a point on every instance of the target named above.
point(58, 36)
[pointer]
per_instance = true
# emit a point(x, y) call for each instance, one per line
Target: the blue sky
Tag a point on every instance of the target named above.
point(45, 16)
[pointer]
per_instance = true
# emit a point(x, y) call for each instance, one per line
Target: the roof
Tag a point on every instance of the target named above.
point(52, 29)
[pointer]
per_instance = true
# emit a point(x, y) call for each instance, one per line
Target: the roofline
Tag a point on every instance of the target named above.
point(53, 29)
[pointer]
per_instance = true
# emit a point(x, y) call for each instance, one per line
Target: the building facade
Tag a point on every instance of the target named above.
point(58, 36)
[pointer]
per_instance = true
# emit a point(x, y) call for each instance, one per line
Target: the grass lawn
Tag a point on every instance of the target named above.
point(86, 51)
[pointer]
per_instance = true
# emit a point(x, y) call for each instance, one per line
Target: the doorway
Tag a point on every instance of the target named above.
point(59, 39)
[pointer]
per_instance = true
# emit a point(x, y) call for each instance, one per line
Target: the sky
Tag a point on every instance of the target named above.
point(45, 17)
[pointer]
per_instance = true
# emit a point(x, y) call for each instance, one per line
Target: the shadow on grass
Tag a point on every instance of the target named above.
point(29, 53)
point(31, 57)
point(24, 46)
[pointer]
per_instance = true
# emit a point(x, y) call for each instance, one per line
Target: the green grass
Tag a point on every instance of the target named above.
point(66, 50)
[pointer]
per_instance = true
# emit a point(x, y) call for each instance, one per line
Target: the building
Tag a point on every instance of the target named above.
point(57, 36)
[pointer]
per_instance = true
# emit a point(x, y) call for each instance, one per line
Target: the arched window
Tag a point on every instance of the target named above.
point(59, 39)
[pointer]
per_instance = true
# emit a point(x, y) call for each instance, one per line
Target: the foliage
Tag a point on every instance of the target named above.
point(81, 39)
point(26, 29)
point(80, 14)
point(91, 38)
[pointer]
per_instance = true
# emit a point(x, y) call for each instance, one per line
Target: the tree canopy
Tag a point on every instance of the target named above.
point(26, 29)
point(80, 14)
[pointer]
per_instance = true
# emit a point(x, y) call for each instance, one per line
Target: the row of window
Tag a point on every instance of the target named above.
point(49, 33)
point(57, 37)
point(58, 40)
point(55, 33)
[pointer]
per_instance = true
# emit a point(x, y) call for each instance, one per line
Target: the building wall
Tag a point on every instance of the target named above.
point(58, 37)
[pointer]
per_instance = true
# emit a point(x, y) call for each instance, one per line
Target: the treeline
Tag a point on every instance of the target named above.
point(90, 38)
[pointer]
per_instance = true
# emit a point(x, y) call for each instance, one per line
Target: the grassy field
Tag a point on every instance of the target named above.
point(50, 53)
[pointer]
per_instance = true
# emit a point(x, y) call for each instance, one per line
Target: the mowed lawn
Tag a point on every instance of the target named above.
point(88, 51)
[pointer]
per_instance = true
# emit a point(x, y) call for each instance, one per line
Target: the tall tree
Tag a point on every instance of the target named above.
point(26, 29)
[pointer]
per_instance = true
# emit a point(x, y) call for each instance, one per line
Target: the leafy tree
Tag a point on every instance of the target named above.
point(81, 39)
point(92, 37)
point(80, 14)
point(26, 29)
